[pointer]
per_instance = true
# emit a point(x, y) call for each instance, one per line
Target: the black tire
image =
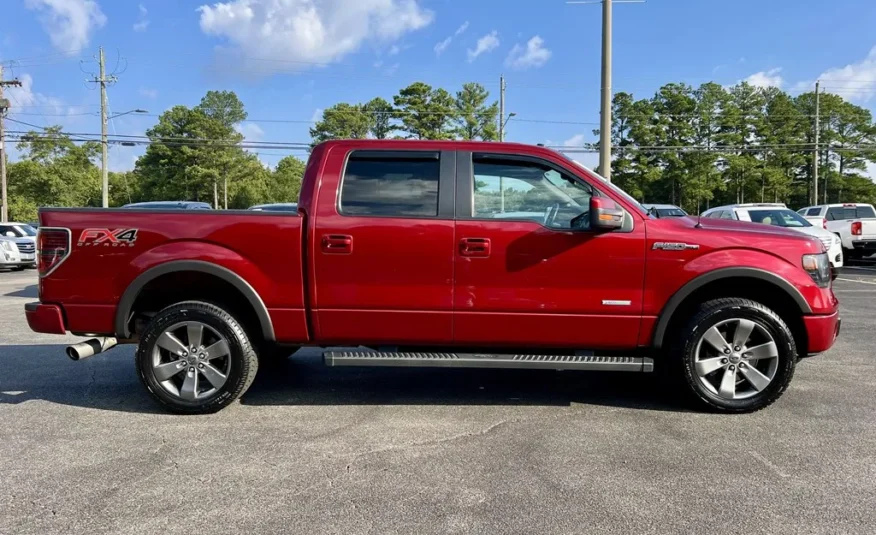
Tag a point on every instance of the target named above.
point(712, 313)
point(18, 269)
point(243, 363)
point(851, 254)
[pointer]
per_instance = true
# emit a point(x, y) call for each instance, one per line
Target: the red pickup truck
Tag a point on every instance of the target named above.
point(438, 253)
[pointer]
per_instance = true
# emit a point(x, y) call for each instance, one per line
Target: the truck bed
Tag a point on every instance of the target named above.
point(262, 248)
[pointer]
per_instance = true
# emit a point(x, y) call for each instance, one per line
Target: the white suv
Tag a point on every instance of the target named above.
point(777, 214)
point(25, 238)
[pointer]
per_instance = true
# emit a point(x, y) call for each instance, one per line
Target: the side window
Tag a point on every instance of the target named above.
point(727, 214)
point(814, 212)
point(835, 214)
point(510, 189)
point(392, 185)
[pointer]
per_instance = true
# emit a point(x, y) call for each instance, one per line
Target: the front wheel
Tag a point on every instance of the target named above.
point(736, 355)
point(195, 357)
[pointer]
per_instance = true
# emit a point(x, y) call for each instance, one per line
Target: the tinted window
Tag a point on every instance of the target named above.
point(814, 212)
point(838, 213)
point(779, 218)
point(509, 189)
point(726, 214)
point(392, 185)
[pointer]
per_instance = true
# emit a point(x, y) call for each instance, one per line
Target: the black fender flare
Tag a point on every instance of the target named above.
point(725, 273)
point(123, 310)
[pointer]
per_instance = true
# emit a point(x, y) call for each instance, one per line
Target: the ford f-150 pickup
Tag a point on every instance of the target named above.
point(438, 253)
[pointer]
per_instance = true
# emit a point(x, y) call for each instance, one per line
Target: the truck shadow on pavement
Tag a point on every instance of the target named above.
point(109, 382)
point(27, 291)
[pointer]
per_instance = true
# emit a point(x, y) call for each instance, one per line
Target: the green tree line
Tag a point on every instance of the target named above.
point(710, 145)
point(691, 146)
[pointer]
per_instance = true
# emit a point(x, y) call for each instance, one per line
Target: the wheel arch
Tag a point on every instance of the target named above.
point(240, 285)
point(727, 282)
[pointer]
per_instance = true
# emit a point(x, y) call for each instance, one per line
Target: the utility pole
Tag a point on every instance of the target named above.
point(4, 105)
point(815, 152)
point(104, 171)
point(501, 108)
point(605, 98)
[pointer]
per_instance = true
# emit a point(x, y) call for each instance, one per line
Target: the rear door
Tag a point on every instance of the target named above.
point(382, 246)
point(524, 275)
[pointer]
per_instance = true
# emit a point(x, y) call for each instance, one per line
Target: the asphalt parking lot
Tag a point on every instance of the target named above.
point(326, 450)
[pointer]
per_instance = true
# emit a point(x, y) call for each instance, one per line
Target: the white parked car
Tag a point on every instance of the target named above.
point(779, 215)
point(24, 237)
point(10, 258)
point(854, 223)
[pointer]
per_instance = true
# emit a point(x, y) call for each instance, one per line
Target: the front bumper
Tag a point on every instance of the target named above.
point(45, 318)
point(822, 332)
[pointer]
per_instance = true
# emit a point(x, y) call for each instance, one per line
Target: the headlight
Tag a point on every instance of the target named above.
point(7, 245)
point(818, 267)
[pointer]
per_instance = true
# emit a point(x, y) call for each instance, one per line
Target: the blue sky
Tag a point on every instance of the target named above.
point(288, 59)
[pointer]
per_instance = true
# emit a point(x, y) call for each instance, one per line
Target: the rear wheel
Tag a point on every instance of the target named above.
point(195, 357)
point(736, 355)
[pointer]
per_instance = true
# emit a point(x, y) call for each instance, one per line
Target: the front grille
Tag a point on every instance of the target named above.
point(25, 247)
point(827, 241)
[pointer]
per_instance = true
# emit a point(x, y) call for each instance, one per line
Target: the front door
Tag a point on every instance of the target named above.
point(529, 271)
point(383, 247)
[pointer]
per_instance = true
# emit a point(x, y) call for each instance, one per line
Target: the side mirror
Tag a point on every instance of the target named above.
point(10, 234)
point(605, 214)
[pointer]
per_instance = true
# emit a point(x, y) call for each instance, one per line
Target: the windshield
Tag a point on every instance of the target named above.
point(670, 212)
point(27, 230)
point(609, 185)
point(779, 217)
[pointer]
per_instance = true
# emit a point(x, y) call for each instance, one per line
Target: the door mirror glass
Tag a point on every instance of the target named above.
point(10, 233)
point(605, 214)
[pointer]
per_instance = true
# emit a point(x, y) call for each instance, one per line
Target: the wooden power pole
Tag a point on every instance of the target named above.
point(4, 107)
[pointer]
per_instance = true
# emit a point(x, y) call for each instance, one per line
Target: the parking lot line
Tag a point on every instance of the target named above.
point(853, 280)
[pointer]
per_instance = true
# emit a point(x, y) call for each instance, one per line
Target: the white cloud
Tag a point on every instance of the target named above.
point(533, 55)
point(770, 78)
point(485, 44)
point(151, 94)
point(142, 22)
point(577, 140)
point(394, 50)
point(441, 46)
point(853, 82)
point(69, 23)
point(250, 131)
point(303, 31)
point(26, 96)
point(392, 69)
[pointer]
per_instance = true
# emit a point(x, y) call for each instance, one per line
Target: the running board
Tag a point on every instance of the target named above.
point(481, 360)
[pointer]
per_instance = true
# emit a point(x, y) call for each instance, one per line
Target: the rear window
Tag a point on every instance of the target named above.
point(814, 212)
point(391, 184)
point(839, 213)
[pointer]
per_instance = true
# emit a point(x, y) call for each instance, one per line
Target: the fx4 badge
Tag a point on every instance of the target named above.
point(104, 237)
point(672, 246)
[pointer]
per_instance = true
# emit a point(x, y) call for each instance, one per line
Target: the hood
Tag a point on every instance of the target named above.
point(746, 226)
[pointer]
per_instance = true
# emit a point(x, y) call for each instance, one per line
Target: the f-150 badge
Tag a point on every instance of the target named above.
point(674, 246)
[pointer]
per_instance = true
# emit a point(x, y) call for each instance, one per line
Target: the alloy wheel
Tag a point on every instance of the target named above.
point(191, 360)
point(736, 359)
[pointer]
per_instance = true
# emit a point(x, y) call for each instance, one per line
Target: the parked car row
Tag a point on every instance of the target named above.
point(17, 246)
